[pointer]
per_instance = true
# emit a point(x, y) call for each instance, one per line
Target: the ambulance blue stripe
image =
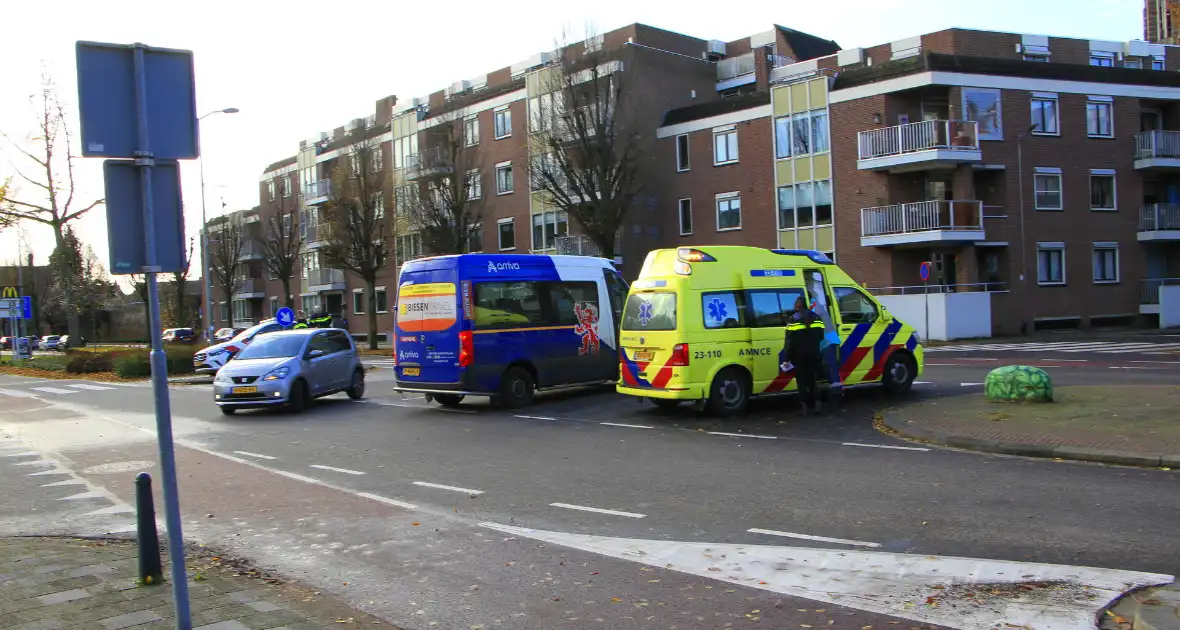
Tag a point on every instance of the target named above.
point(634, 370)
point(885, 340)
point(911, 343)
point(852, 342)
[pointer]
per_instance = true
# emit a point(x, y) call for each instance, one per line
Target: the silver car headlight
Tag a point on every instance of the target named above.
point(279, 374)
point(222, 378)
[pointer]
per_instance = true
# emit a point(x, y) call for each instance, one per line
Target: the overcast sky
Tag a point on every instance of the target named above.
point(298, 68)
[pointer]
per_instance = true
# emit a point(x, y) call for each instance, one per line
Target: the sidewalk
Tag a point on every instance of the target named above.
point(1134, 425)
point(57, 583)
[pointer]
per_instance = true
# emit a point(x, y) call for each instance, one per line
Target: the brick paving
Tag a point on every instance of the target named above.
point(66, 583)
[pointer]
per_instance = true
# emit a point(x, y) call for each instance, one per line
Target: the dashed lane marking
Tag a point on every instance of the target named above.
point(839, 541)
point(535, 417)
point(629, 426)
point(339, 470)
point(584, 508)
point(971, 384)
point(896, 448)
point(743, 435)
point(16, 393)
point(88, 386)
point(427, 484)
point(258, 455)
point(24, 454)
point(387, 500)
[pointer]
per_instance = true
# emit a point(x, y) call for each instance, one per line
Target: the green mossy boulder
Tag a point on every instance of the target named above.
point(1019, 383)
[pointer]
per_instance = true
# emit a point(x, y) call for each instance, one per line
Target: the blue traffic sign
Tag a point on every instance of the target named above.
point(23, 304)
point(125, 210)
point(924, 271)
point(107, 104)
point(285, 316)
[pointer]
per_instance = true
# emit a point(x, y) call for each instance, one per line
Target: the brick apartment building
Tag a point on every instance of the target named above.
point(1034, 172)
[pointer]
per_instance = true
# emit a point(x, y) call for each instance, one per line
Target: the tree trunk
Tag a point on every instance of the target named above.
point(72, 325)
point(371, 289)
point(288, 301)
point(606, 244)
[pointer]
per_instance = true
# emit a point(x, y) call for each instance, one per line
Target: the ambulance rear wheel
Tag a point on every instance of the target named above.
point(900, 371)
point(729, 393)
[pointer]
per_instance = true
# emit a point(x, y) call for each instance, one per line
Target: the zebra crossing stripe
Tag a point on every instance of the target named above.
point(87, 386)
point(54, 390)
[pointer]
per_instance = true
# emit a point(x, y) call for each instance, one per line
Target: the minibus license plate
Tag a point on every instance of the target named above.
point(245, 390)
point(411, 371)
point(644, 355)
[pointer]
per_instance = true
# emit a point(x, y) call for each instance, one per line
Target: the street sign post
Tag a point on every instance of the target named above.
point(138, 103)
point(285, 317)
point(924, 274)
point(17, 308)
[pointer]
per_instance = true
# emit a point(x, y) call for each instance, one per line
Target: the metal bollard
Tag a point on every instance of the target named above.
point(151, 570)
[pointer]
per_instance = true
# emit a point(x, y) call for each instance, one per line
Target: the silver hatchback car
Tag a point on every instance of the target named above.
point(290, 368)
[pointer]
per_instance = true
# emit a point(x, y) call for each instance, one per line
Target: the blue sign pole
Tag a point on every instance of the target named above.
point(924, 274)
point(144, 161)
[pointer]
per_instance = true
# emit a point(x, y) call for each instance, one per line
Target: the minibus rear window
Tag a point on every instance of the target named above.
point(650, 311)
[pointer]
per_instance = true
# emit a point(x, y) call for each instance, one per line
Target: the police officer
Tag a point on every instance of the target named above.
point(300, 320)
point(320, 320)
point(805, 333)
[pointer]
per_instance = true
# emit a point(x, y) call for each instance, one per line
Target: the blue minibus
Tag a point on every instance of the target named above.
point(504, 326)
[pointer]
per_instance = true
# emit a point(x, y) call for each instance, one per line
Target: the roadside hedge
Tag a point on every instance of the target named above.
point(89, 362)
point(137, 363)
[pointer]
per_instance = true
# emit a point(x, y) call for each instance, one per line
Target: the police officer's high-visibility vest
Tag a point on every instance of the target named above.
point(300, 324)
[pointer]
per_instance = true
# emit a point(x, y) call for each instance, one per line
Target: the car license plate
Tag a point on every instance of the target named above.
point(245, 390)
point(644, 355)
point(411, 371)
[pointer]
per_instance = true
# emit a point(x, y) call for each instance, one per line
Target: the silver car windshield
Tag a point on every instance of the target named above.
point(268, 347)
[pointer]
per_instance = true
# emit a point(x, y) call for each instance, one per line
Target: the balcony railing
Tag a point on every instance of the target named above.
point(250, 285)
point(252, 250)
point(320, 277)
point(316, 192)
point(919, 289)
point(432, 161)
point(580, 245)
point(1151, 289)
point(735, 66)
point(1157, 144)
point(1159, 216)
point(779, 61)
point(924, 216)
point(948, 135)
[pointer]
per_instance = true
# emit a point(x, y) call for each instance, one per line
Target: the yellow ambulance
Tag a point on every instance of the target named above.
point(707, 324)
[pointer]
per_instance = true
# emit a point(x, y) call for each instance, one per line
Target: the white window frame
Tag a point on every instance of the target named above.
point(505, 166)
point(1157, 63)
point(377, 158)
point(499, 241)
point(1040, 172)
point(474, 185)
point(502, 122)
point(475, 231)
point(285, 186)
point(1100, 57)
point(224, 311)
point(377, 292)
point(355, 294)
point(378, 202)
point(274, 305)
point(1105, 172)
point(270, 189)
point(1045, 97)
point(1136, 64)
point(1100, 101)
point(471, 131)
point(1106, 246)
point(548, 217)
point(1047, 247)
point(727, 198)
point(681, 206)
point(723, 134)
point(686, 154)
point(783, 147)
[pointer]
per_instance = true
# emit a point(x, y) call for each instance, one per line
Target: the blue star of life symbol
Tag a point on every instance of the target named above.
point(645, 313)
point(717, 310)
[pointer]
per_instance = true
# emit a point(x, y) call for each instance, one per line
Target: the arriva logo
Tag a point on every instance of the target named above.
point(494, 267)
point(405, 355)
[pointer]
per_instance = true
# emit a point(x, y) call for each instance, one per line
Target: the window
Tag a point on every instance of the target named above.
point(241, 311)
point(729, 212)
point(506, 231)
point(1099, 117)
point(1133, 63)
point(771, 308)
point(682, 162)
point(224, 312)
point(503, 120)
point(650, 311)
point(377, 159)
point(544, 111)
point(823, 202)
point(285, 186)
point(1106, 263)
point(503, 178)
point(547, 228)
point(409, 247)
point(593, 44)
point(474, 184)
point(358, 302)
point(1102, 190)
point(270, 189)
point(800, 134)
point(508, 305)
point(725, 147)
point(1050, 263)
point(720, 310)
point(855, 306)
point(1157, 64)
point(685, 212)
point(475, 238)
point(1105, 60)
point(805, 205)
point(616, 288)
point(274, 306)
point(471, 131)
point(819, 131)
point(782, 137)
point(378, 203)
point(563, 296)
point(382, 300)
point(1047, 190)
point(405, 199)
point(1044, 114)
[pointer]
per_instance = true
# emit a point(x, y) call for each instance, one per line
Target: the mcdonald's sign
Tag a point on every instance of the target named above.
point(9, 292)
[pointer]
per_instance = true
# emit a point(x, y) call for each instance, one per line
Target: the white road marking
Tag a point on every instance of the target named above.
point(841, 541)
point(1131, 367)
point(971, 384)
point(339, 470)
point(114, 509)
point(55, 471)
point(92, 494)
point(946, 364)
point(629, 426)
point(1071, 360)
point(1160, 362)
point(386, 500)
point(535, 417)
point(54, 390)
point(427, 484)
point(24, 454)
point(742, 435)
point(16, 393)
point(36, 462)
point(258, 455)
point(584, 508)
point(66, 482)
point(96, 388)
point(285, 473)
point(922, 383)
point(897, 448)
point(879, 582)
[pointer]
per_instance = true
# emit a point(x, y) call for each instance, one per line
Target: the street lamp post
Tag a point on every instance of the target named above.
point(1023, 246)
point(206, 277)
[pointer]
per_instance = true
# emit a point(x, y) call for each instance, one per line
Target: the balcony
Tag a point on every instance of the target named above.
point(1159, 222)
point(325, 280)
point(250, 288)
point(1157, 150)
point(1161, 296)
point(429, 163)
point(318, 235)
point(253, 250)
point(922, 222)
point(917, 146)
point(317, 192)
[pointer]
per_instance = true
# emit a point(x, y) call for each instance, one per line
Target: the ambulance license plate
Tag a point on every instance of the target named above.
point(411, 371)
point(644, 355)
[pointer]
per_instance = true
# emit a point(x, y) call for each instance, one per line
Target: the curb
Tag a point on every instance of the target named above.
point(1052, 451)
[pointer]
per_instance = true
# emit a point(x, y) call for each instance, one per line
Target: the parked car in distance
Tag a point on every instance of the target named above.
point(34, 342)
point(225, 334)
point(50, 342)
point(211, 359)
point(290, 368)
point(179, 335)
point(5, 343)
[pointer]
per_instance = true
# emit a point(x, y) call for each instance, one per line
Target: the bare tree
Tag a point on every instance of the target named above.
point(51, 202)
point(587, 144)
point(180, 316)
point(227, 246)
point(281, 243)
point(359, 234)
point(446, 212)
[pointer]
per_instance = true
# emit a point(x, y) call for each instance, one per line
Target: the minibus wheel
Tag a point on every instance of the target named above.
point(449, 400)
point(516, 388)
point(729, 392)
